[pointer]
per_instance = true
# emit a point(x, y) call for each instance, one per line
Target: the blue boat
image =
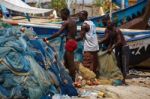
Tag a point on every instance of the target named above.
point(129, 13)
point(118, 17)
point(138, 40)
point(126, 14)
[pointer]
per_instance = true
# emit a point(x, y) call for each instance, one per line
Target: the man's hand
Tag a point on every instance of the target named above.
point(22, 29)
point(62, 36)
point(109, 50)
point(45, 40)
point(99, 41)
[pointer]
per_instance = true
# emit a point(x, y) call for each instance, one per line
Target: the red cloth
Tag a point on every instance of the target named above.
point(71, 45)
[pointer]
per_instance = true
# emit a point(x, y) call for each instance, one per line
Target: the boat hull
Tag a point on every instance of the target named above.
point(127, 14)
point(138, 40)
point(139, 49)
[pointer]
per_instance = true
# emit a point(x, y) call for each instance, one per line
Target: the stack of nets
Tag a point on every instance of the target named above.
point(108, 66)
point(28, 67)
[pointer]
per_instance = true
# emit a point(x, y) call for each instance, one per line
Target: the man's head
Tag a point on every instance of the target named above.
point(83, 15)
point(110, 24)
point(65, 13)
point(105, 19)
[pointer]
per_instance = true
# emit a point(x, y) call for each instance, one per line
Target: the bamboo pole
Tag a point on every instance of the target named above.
point(123, 4)
point(110, 9)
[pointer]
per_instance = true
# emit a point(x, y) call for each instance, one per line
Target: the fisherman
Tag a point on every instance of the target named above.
point(104, 20)
point(91, 47)
point(114, 39)
point(70, 28)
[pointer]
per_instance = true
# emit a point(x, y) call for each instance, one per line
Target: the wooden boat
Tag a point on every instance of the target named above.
point(138, 40)
point(139, 49)
point(126, 15)
point(139, 46)
point(140, 22)
point(129, 13)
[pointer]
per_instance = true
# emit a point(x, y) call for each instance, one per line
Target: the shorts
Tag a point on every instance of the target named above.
point(71, 45)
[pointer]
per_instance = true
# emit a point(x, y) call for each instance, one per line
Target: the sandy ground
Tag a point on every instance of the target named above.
point(119, 92)
point(138, 88)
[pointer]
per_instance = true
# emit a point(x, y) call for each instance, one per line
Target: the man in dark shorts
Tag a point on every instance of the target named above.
point(91, 47)
point(114, 39)
point(70, 28)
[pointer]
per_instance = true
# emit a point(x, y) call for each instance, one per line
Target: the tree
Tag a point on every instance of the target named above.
point(58, 4)
point(69, 2)
point(100, 3)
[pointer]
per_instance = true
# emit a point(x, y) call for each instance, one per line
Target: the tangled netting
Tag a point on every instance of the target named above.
point(29, 68)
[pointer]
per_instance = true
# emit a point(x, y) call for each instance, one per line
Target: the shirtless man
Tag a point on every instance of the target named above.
point(91, 47)
point(114, 39)
point(69, 27)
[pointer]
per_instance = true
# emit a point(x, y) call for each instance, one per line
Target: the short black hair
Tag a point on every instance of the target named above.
point(65, 11)
point(85, 13)
point(106, 17)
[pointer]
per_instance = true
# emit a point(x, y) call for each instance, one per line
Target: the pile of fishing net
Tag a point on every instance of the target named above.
point(108, 66)
point(29, 68)
point(86, 73)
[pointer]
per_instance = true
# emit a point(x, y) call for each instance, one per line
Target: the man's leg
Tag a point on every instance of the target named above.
point(96, 66)
point(69, 63)
point(65, 60)
point(125, 60)
point(119, 57)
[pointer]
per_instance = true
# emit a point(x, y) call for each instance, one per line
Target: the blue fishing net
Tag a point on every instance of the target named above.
point(29, 68)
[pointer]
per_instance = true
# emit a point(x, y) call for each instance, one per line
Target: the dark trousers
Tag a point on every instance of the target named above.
point(122, 55)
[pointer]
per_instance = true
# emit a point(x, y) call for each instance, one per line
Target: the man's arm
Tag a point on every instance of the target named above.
point(63, 27)
point(118, 41)
point(84, 28)
point(105, 38)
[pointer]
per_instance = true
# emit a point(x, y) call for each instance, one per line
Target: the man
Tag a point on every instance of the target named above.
point(70, 28)
point(91, 47)
point(104, 20)
point(114, 39)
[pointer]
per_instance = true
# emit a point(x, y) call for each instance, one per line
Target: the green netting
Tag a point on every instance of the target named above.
point(108, 66)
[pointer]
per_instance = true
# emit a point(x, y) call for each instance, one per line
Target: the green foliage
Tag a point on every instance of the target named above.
point(58, 4)
point(99, 3)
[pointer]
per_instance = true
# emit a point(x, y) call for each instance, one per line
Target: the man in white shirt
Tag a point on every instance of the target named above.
point(91, 46)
